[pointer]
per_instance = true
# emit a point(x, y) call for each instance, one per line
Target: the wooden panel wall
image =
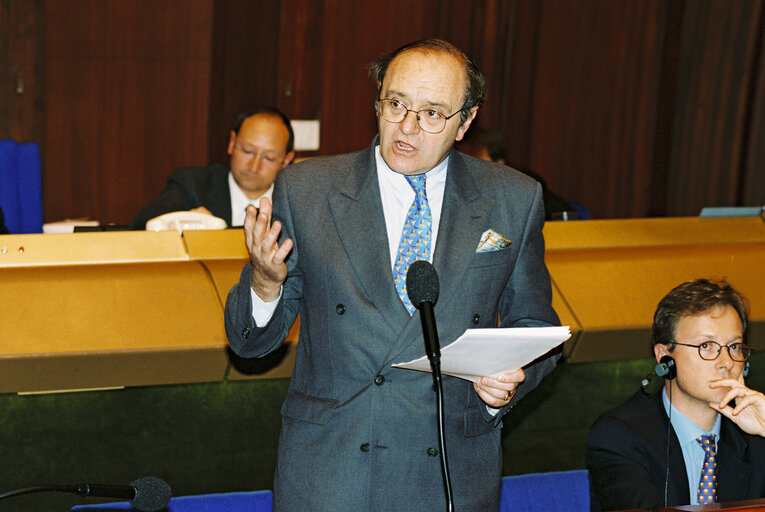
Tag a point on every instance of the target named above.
point(21, 77)
point(716, 76)
point(244, 68)
point(126, 98)
point(632, 107)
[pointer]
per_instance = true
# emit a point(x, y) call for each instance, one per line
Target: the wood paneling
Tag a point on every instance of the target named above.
point(714, 84)
point(632, 107)
point(21, 61)
point(594, 103)
point(126, 99)
point(244, 66)
point(753, 187)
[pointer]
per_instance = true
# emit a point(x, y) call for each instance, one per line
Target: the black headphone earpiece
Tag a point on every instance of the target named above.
point(746, 369)
point(666, 368)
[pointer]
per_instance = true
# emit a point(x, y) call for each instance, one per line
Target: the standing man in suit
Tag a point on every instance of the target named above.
point(699, 337)
point(260, 144)
point(356, 433)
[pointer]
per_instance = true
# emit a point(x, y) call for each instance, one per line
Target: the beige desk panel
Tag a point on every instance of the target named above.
point(567, 317)
point(122, 312)
point(225, 244)
point(614, 292)
point(225, 274)
point(611, 233)
point(90, 248)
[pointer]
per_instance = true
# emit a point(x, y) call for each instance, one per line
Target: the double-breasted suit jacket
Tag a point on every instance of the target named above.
point(356, 433)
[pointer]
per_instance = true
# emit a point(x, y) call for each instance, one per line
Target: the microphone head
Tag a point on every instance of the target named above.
point(421, 283)
point(151, 494)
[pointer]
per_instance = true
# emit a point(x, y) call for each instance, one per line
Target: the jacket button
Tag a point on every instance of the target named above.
point(379, 380)
point(364, 447)
point(476, 318)
point(432, 452)
point(340, 309)
point(246, 332)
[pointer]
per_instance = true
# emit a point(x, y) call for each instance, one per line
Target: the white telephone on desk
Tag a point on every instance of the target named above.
point(185, 221)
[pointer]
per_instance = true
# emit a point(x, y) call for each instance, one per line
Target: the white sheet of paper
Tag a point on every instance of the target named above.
point(489, 352)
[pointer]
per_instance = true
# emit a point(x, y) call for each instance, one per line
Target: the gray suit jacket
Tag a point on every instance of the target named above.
point(358, 434)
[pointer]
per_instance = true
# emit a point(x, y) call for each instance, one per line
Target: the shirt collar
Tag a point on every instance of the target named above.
point(686, 430)
point(239, 201)
point(435, 173)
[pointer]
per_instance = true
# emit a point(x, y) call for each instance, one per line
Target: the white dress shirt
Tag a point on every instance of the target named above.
point(240, 202)
point(397, 196)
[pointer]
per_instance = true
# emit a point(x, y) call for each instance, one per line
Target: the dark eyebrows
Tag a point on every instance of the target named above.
point(393, 94)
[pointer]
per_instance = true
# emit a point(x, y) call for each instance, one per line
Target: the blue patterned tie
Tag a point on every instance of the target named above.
point(707, 492)
point(415, 238)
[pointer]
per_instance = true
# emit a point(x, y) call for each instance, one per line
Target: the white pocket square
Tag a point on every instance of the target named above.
point(492, 241)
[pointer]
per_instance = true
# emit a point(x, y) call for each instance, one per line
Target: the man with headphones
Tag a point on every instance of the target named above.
point(700, 439)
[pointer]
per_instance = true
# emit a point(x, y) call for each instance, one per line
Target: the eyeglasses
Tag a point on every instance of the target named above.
point(430, 120)
point(710, 350)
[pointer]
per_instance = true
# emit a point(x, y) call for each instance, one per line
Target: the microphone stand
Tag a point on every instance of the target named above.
point(434, 356)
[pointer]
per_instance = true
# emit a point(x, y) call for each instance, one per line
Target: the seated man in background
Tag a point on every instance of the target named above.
point(260, 145)
point(491, 147)
point(699, 440)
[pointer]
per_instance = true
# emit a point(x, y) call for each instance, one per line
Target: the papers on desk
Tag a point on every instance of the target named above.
point(489, 352)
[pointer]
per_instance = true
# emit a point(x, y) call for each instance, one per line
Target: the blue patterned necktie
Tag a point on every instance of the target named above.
point(707, 492)
point(415, 237)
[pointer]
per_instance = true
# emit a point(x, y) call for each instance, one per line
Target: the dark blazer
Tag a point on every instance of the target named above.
point(626, 457)
point(191, 187)
point(356, 433)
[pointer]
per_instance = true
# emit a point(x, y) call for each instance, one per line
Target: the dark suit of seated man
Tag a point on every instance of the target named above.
point(699, 336)
point(260, 144)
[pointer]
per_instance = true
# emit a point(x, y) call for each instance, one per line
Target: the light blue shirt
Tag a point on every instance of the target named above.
point(693, 454)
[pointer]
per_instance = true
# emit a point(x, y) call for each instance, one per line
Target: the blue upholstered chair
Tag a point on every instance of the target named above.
point(556, 491)
point(21, 186)
point(254, 501)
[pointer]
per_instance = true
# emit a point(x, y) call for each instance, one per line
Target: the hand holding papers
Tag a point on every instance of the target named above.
point(489, 352)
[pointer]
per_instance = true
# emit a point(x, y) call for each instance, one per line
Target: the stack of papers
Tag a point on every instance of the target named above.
point(489, 352)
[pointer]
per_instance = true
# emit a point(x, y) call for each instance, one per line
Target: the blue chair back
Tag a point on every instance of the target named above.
point(555, 491)
point(253, 501)
point(21, 186)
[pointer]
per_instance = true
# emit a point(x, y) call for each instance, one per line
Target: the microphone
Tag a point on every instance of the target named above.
point(148, 494)
point(422, 288)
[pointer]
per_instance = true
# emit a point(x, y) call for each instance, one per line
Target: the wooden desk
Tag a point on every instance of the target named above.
point(757, 505)
point(110, 309)
point(106, 309)
point(611, 274)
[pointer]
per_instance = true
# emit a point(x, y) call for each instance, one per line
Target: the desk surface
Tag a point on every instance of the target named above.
point(133, 308)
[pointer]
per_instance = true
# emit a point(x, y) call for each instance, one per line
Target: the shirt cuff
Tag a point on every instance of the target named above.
point(263, 311)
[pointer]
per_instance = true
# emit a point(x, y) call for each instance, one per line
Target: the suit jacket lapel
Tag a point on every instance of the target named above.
point(733, 473)
point(219, 195)
point(463, 218)
point(356, 209)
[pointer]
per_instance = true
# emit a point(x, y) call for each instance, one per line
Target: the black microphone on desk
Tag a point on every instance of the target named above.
point(422, 289)
point(148, 494)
